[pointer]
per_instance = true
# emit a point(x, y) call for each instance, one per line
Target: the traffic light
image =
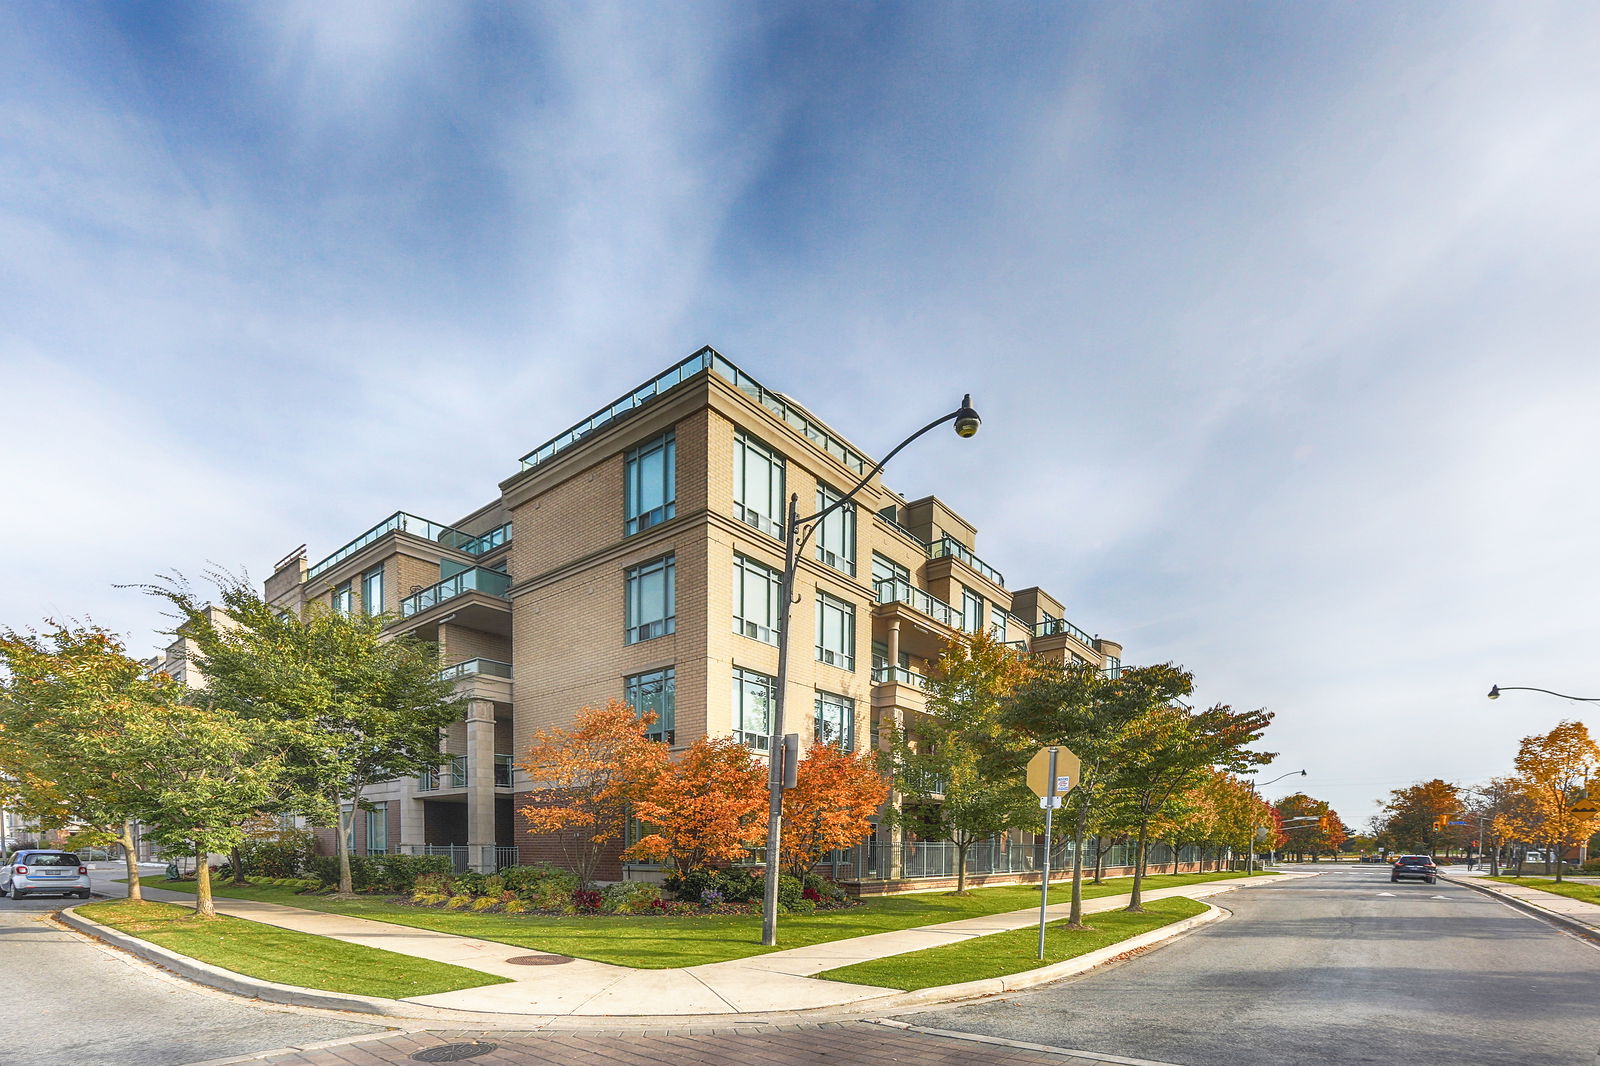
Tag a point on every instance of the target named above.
point(1441, 821)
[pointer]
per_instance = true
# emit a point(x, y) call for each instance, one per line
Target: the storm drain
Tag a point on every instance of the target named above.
point(454, 1052)
point(538, 960)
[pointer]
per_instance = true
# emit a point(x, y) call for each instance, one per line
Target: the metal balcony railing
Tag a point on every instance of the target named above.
point(403, 522)
point(471, 667)
point(956, 550)
point(893, 590)
point(1052, 626)
point(898, 675)
point(474, 579)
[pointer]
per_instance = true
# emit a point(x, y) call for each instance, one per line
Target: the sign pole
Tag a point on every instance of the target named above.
point(1049, 818)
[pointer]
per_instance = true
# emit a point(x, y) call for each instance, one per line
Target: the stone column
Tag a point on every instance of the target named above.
point(480, 785)
point(893, 646)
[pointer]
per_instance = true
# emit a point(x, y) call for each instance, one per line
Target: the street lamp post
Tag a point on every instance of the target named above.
point(1250, 853)
point(1495, 690)
point(966, 425)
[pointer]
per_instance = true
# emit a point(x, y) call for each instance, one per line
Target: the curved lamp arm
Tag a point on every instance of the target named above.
point(1494, 693)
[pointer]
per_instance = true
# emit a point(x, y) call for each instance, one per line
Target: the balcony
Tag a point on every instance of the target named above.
point(894, 590)
point(945, 546)
point(898, 675)
point(1051, 627)
point(475, 668)
point(888, 520)
point(402, 522)
point(475, 579)
point(433, 780)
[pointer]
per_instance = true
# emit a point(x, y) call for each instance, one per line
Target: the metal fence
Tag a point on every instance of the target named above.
point(929, 859)
point(464, 857)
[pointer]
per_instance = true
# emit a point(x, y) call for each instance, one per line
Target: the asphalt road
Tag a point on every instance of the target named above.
point(67, 1002)
point(1342, 968)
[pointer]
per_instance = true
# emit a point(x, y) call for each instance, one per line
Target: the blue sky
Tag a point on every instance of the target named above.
point(1281, 317)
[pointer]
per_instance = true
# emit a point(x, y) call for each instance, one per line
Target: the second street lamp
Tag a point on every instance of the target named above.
point(1495, 690)
point(966, 425)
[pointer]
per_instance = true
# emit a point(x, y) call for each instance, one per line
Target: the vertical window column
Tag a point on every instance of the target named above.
point(342, 598)
point(836, 533)
point(651, 484)
point(757, 599)
point(655, 693)
point(752, 707)
point(372, 591)
point(651, 600)
point(836, 632)
point(971, 610)
point(757, 485)
point(836, 720)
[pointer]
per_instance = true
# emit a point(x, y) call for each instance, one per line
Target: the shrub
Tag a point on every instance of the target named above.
point(494, 885)
point(799, 906)
point(586, 901)
point(513, 906)
point(629, 897)
point(821, 889)
point(484, 903)
point(366, 873)
point(712, 897)
point(791, 893)
point(434, 882)
point(1591, 867)
point(470, 883)
point(529, 881)
point(428, 899)
point(457, 903)
point(741, 885)
point(223, 872)
point(553, 897)
point(692, 886)
point(287, 856)
point(398, 874)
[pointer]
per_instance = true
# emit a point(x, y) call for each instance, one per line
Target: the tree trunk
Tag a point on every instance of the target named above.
point(347, 826)
point(1554, 855)
point(1099, 860)
point(1075, 917)
point(204, 905)
point(131, 858)
point(1135, 902)
point(961, 865)
point(236, 859)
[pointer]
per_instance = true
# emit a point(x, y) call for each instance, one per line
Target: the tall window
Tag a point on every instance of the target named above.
point(652, 606)
point(372, 591)
point(341, 598)
point(652, 483)
point(752, 707)
point(836, 720)
point(836, 534)
point(971, 610)
point(888, 570)
point(757, 485)
point(655, 693)
point(757, 596)
point(836, 632)
point(377, 829)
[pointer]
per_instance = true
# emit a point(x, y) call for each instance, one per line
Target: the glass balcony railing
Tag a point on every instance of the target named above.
point(704, 359)
point(428, 781)
point(889, 521)
point(433, 780)
point(458, 772)
point(955, 549)
point(473, 667)
point(502, 771)
point(898, 675)
point(1052, 626)
point(476, 579)
point(401, 522)
point(894, 590)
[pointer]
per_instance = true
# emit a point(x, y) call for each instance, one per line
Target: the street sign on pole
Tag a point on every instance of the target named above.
point(1045, 781)
point(1585, 806)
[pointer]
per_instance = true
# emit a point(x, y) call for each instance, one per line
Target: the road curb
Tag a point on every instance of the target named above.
point(446, 1017)
point(1571, 925)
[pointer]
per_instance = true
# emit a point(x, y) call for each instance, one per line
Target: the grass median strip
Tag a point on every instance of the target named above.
point(666, 942)
point(283, 956)
point(1014, 951)
point(1573, 889)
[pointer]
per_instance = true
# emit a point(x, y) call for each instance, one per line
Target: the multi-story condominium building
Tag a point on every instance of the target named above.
point(637, 554)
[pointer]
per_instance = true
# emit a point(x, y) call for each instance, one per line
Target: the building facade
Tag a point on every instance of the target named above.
point(638, 555)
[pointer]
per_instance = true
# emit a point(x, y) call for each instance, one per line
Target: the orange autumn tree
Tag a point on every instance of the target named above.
point(1554, 770)
point(708, 807)
point(834, 796)
point(586, 778)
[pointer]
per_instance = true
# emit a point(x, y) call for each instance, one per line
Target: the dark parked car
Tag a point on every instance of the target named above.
point(1415, 867)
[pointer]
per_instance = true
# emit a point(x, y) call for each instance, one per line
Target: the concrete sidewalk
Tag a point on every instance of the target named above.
point(1582, 916)
point(547, 984)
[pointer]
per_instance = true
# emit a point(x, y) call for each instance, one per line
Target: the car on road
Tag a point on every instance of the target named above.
point(1415, 867)
point(37, 870)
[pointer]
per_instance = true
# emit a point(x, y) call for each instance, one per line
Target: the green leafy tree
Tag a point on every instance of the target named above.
point(354, 707)
point(962, 773)
point(1074, 705)
point(1168, 750)
point(92, 740)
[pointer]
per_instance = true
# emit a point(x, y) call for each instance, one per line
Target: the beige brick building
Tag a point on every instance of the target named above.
point(637, 555)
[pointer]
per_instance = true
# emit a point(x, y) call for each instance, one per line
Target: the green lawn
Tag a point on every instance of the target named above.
point(1013, 951)
point(282, 955)
point(1574, 889)
point(663, 943)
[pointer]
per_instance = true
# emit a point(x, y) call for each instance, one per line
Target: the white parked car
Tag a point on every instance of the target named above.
point(38, 870)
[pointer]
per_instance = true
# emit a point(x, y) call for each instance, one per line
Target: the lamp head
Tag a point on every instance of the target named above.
point(1494, 692)
point(967, 420)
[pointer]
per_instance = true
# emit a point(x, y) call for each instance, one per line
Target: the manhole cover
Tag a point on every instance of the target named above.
point(538, 960)
point(453, 1052)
